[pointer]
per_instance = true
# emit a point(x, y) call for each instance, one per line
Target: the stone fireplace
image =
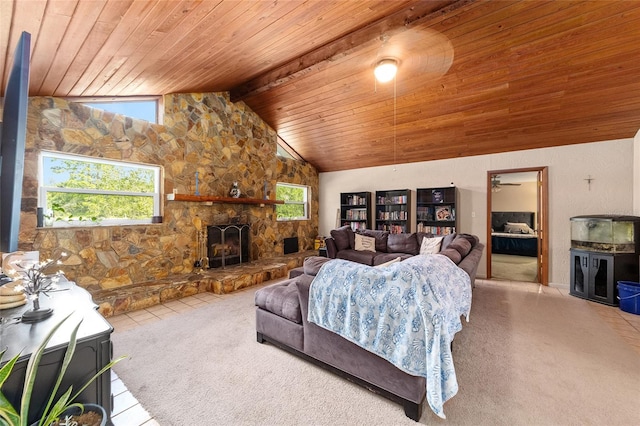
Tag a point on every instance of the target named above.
point(227, 245)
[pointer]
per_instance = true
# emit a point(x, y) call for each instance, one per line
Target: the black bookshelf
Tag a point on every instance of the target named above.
point(393, 210)
point(436, 210)
point(355, 210)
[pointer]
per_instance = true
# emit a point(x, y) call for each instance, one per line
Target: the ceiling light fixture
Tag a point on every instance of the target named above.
point(385, 70)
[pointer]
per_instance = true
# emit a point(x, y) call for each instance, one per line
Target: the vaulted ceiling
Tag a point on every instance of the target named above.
point(474, 77)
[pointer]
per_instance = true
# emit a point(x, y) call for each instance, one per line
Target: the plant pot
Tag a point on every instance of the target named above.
point(92, 408)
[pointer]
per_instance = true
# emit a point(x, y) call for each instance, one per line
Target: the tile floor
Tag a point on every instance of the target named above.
point(127, 411)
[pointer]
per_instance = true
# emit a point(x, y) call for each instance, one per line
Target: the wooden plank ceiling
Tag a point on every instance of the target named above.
point(475, 77)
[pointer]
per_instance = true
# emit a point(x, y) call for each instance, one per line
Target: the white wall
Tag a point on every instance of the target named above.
point(610, 164)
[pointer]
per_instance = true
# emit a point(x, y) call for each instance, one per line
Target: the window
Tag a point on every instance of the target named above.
point(296, 201)
point(78, 190)
point(142, 108)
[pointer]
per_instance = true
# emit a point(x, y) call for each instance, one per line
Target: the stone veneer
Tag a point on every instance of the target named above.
point(207, 133)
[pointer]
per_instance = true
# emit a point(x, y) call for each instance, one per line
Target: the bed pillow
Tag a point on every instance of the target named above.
point(343, 237)
point(431, 245)
point(364, 243)
point(517, 228)
point(382, 265)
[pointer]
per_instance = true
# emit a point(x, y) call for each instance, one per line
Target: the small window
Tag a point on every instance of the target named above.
point(296, 201)
point(142, 108)
point(78, 190)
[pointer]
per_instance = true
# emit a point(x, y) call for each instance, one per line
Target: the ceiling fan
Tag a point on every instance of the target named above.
point(496, 184)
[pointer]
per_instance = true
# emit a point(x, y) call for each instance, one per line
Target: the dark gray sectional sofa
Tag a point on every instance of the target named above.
point(281, 319)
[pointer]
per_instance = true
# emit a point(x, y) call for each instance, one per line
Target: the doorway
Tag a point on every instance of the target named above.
point(517, 212)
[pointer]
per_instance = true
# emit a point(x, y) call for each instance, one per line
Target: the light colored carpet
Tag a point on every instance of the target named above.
point(523, 359)
point(514, 268)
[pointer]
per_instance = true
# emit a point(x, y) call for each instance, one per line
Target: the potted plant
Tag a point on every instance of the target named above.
point(54, 410)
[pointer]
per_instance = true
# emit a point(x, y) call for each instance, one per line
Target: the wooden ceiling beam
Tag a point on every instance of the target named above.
point(323, 56)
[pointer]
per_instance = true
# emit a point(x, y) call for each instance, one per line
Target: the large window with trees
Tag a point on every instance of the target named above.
point(296, 201)
point(80, 190)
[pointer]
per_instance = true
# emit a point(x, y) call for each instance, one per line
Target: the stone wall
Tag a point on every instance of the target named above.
point(205, 133)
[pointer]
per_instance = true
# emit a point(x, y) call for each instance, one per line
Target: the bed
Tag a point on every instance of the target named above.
point(513, 233)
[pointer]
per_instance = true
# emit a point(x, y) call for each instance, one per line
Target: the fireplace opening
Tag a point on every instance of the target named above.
point(227, 245)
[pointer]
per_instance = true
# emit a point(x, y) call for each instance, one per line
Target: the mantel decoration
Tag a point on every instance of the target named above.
point(32, 278)
point(235, 191)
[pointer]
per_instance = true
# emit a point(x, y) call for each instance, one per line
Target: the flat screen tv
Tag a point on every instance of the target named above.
point(12, 145)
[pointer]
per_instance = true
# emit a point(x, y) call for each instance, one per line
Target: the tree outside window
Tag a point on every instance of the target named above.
point(296, 198)
point(76, 189)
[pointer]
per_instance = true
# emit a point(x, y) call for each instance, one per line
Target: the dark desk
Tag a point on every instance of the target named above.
point(93, 350)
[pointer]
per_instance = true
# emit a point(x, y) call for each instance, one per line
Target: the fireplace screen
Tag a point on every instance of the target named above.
point(227, 245)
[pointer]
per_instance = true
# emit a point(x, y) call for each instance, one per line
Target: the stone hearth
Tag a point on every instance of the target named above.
point(219, 281)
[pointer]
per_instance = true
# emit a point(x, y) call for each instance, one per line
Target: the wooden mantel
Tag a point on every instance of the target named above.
point(214, 199)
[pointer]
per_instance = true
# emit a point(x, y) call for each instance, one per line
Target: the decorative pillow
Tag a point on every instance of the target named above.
point(343, 237)
point(461, 245)
point(380, 236)
point(364, 243)
point(517, 228)
point(382, 265)
point(431, 245)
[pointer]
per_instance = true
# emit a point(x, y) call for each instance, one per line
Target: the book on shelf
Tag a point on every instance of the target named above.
point(356, 226)
point(400, 199)
point(435, 230)
point(356, 214)
point(356, 200)
point(437, 196)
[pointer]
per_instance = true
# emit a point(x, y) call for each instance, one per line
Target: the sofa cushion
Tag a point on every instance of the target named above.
point(447, 240)
point(461, 244)
point(452, 254)
point(312, 264)
point(386, 257)
point(364, 257)
point(390, 262)
point(403, 243)
point(364, 243)
point(344, 237)
point(381, 238)
point(281, 299)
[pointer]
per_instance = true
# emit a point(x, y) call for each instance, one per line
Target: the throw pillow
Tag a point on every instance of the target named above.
point(380, 236)
point(462, 245)
point(430, 245)
point(365, 243)
point(343, 237)
point(382, 265)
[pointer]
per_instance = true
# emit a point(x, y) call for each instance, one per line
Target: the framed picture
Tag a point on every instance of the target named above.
point(436, 196)
point(444, 213)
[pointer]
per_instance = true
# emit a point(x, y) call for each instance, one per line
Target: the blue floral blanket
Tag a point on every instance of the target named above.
point(407, 313)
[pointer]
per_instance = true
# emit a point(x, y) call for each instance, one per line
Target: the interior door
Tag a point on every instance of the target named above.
point(496, 180)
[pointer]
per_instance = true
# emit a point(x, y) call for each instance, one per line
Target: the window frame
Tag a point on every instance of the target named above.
point(44, 190)
point(305, 203)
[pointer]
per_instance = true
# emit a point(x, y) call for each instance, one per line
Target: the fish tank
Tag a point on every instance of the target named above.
point(605, 233)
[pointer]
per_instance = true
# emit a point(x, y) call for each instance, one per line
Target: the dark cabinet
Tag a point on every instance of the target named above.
point(93, 350)
point(604, 250)
point(594, 276)
point(355, 210)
